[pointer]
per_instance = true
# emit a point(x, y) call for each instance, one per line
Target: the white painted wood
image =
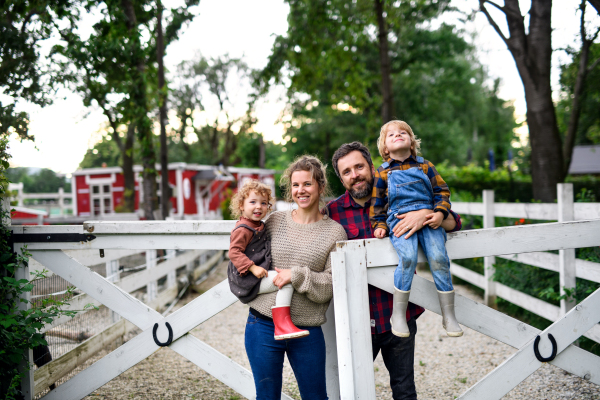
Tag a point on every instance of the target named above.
point(26, 365)
point(530, 303)
point(586, 211)
point(358, 305)
point(485, 320)
point(172, 275)
point(498, 241)
point(522, 364)
point(99, 288)
point(467, 275)
point(92, 257)
point(489, 221)
point(566, 257)
point(469, 208)
point(159, 227)
point(152, 286)
point(342, 326)
point(142, 242)
point(584, 269)
point(331, 354)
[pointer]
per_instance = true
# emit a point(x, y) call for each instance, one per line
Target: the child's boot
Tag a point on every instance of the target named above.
point(284, 327)
point(398, 320)
point(449, 321)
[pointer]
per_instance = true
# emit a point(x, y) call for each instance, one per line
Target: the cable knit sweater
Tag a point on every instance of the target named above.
point(305, 249)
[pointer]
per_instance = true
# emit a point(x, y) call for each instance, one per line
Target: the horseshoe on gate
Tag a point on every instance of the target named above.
point(169, 340)
point(537, 351)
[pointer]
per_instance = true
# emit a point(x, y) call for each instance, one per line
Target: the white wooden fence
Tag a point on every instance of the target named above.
point(59, 198)
point(564, 263)
point(361, 262)
point(347, 334)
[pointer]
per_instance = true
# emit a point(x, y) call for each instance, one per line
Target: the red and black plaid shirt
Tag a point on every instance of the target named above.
point(355, 220)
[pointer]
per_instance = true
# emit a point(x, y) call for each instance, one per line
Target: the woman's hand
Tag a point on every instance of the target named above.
point(284, 276)
point(411, 222)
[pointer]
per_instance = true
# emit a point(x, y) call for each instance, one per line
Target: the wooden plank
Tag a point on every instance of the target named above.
point(159, 227)
point(99, 288)
point(342, 325)
point(566, 258)
point(48, 229)
point(331, 354)
point(537, 211)
point(587, 211)
point(206, 266)
point(530, 303)
point(483, 319)
point(467, 275)
point(489, 221)
point(585, 269)
point(522, 364)
point(92, 257)
point(360, 328)
point(498, 241)
point(469, 208)
point(142, 242)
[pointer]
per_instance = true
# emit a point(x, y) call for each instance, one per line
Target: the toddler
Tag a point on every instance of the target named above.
point(407, 182)
point(249, 270)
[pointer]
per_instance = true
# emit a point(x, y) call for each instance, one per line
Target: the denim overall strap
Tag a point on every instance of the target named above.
point(408, 190)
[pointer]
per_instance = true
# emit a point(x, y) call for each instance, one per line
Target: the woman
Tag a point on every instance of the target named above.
point(301, 243)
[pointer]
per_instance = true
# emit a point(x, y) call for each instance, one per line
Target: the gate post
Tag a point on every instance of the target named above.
point(152, 287)
point(352, 320)
point(566, 260)
point(489, 221)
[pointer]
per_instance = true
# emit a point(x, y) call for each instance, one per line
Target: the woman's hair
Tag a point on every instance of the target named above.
point(317, 170)
point(415, 144)
point(237, 201)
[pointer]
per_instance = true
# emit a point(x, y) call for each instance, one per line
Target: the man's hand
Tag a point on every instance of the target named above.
point(283, 277)
point(410, 222)
point(434, 220)
point(379, 233)
point(257, 271)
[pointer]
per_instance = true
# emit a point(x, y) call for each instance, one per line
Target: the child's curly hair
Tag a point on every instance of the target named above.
point(237, 201)
point(415, 144)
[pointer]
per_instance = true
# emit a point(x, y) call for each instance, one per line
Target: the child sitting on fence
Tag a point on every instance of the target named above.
point(249, 270)
point(407, 182)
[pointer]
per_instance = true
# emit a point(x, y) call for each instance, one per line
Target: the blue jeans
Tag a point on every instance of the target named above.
point(306, 356)
point(399, 358)
point(433, 242)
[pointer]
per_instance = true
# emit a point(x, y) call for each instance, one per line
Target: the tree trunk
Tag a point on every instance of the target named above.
point(532, 53)
point(143, 123)
point(128, 175)
point(387, 106)
point(165, 200)
point(261, 152)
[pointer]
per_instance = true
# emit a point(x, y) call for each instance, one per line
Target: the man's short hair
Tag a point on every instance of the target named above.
point(348, 148)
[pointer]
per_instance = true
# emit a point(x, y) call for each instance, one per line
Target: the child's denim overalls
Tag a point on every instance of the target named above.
point(411, 190)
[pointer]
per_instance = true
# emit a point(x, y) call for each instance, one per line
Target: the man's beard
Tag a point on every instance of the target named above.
point(366, 191)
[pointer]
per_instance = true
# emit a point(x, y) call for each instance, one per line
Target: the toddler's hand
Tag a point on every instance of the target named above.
point(434, 220)
point(379, 233)
point(257, 271)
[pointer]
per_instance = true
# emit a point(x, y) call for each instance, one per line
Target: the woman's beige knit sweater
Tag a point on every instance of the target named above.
point(303, 248)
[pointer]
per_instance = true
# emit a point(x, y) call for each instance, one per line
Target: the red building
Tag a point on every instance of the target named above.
point(197, 190)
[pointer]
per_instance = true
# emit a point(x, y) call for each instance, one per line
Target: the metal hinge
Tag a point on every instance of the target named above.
point(51, 237)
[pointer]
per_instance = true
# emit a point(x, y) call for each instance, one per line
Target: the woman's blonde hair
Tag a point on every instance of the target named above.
point(237, 201)
point(317, 170)
point(415, 144)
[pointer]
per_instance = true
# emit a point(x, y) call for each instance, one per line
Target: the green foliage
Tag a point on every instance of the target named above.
point(42, 181)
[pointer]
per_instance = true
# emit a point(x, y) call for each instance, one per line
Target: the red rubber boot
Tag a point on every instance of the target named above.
point(284, 327)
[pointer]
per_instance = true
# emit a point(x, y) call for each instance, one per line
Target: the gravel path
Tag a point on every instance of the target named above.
point(444, 367)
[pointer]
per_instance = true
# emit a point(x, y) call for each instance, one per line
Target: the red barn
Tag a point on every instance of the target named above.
point(197, 190)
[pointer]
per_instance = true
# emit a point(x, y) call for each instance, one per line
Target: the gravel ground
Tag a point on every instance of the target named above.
point(444, 367)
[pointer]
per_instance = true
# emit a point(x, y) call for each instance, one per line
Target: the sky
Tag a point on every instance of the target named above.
point(65, 130)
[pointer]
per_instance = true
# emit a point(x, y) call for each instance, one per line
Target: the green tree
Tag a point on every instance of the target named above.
point(42, 181)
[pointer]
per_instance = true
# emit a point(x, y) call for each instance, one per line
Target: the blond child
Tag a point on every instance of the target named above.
point(406, 182)
point(249, 270)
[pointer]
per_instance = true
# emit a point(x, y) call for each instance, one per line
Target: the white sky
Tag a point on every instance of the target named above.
point(65, 130)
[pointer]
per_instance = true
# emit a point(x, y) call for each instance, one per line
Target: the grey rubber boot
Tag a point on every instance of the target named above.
point(398, 320)
point(449, 321)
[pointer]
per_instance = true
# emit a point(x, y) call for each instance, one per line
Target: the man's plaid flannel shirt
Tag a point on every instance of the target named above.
point(379, 207)
point(355, 220)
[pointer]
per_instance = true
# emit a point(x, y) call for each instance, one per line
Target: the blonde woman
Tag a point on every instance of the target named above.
point(301, 243)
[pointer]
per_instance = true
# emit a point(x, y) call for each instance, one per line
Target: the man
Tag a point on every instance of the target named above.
point(353, 165)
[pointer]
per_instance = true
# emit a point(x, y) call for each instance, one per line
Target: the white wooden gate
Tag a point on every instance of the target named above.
point(46, 245)
point(359, 262)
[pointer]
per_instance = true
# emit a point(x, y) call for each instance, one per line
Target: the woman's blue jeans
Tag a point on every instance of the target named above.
point(306, 356)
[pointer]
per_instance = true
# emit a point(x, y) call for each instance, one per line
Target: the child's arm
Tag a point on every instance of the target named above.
point(240, 238)
point(379, 204)
point(441, 192)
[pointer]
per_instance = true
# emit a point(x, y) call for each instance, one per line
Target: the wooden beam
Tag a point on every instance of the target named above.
point(159, 227)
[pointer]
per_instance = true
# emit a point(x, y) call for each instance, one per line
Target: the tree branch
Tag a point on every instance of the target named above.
point(594, 65)
point(491, 20)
